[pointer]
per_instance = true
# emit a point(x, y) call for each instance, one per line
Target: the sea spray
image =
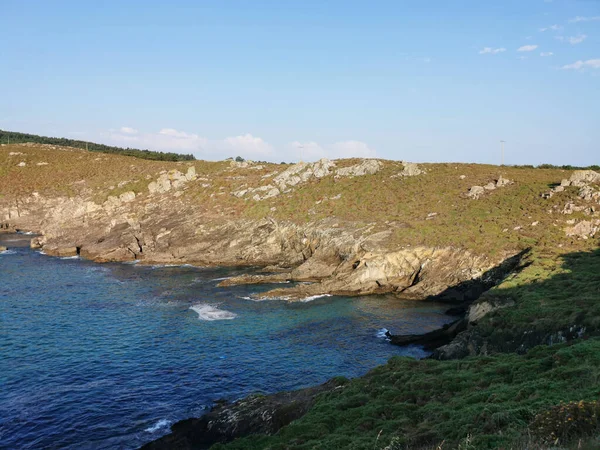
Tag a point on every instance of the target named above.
point(211, 312)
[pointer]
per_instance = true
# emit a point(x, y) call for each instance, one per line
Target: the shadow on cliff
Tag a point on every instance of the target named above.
point(553, 299)
point(464, 294)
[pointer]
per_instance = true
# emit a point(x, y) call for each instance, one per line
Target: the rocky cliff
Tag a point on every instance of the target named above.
point(348, 227)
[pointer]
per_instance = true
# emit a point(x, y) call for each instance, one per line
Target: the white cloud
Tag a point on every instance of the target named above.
point(551, 28)
point(527, 48)
point(248, 146)
point(573, 40)
point(576, 39)
point(584, 19)
point(167, 139)
point(310, 151)
point(546, 54)
point(492, 51)
point(578, 65)
point(174, 133)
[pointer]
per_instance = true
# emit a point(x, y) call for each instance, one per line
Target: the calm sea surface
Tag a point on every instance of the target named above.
point(108, 356)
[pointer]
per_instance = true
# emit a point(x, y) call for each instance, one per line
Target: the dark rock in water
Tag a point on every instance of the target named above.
point(433, 339)
point(255, 414)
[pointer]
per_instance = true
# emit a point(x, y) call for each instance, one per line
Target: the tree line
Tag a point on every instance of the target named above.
point(13, 137)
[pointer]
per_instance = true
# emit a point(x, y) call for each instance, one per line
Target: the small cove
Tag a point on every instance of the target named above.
point(108, 356)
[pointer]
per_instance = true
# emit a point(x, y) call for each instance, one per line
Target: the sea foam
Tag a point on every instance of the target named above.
point(8, 252)
point(382, 334)
point(313, 297)
point(210, 312)
point(162, 423)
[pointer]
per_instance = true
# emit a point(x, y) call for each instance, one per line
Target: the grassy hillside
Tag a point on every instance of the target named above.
point(430, 209)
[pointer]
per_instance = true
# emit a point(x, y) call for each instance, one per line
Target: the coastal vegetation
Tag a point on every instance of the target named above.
point(13, 137)
point(513, 400)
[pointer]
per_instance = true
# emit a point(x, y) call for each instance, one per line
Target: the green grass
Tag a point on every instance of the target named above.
point(491, 399)
point(554, 293)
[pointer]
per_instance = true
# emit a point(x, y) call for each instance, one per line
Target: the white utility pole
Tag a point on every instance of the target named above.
point(502, 151)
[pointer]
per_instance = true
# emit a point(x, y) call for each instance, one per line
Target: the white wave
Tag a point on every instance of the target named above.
point(162, 266)
point(381, 334)
point(135, 261)
point(221, 279)
point(69, 257)
point(8, 252)
point(210, 312)
point(162, 423)
point(258, 298)
point(313, 297)
point(255, 299)
point(25, 232)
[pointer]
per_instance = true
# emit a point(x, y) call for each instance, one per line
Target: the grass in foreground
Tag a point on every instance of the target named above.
point(417, 403)
point(483, 402)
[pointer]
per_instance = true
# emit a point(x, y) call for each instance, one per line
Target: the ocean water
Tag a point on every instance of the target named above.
point(108, 356)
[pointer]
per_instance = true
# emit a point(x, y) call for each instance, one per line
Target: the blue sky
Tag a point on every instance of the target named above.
point(289, 80)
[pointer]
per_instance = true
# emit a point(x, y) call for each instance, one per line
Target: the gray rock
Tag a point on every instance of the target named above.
point(366, 167)
point(411, 170)
point(581, 177)
point(502, 182)
point(584, 229)
point(475, 192)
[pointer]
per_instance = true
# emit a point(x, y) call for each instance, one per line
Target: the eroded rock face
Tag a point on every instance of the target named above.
point(336, 260)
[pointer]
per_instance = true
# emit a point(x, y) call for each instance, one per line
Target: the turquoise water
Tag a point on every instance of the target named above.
point(108, 356)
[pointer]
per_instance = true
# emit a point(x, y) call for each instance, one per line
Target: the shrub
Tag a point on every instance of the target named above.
point(566, 421)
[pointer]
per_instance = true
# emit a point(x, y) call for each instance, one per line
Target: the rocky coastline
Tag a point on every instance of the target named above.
point(162, 223)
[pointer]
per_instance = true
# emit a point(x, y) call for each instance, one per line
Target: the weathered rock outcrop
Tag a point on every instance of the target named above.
point(472, 308)
point(256, 414)
point(476, 192)
point(366, 167)
point(410, 170)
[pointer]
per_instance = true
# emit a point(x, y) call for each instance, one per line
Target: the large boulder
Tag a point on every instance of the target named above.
point(410, 170)
point(475, 192)
point(582, 177)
